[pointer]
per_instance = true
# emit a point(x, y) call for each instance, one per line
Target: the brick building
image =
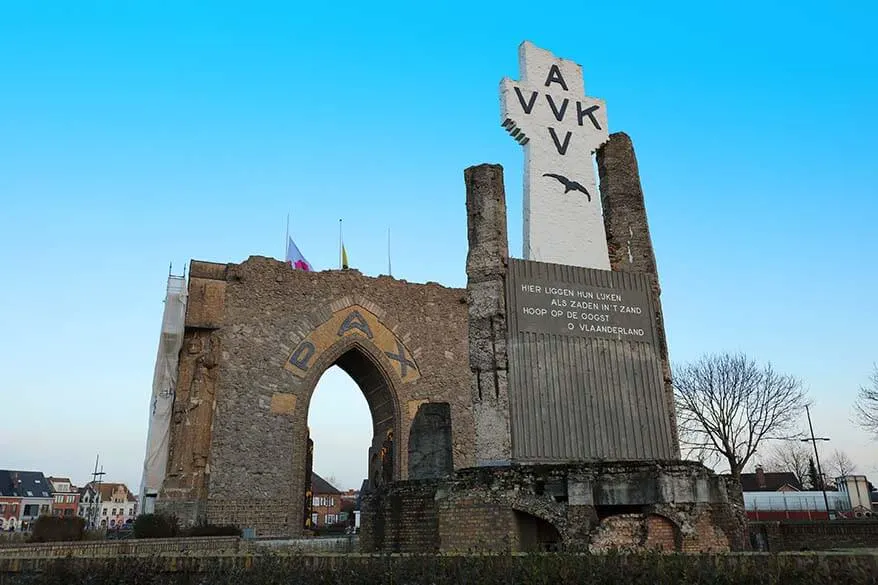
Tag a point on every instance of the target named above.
point(325, 502)
point(25, 496)
point(65, 496)
point(8, 510)
point(760, 481)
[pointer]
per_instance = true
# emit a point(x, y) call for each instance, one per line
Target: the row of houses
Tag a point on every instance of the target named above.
point(27, 495)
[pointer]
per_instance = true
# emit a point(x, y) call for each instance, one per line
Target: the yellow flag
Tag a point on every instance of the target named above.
point(344, 258)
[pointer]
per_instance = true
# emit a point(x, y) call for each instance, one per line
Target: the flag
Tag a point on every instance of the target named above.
point(344, 258)
point(295, 258)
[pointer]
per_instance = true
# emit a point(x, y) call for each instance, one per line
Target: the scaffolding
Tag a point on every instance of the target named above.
point(164, 384)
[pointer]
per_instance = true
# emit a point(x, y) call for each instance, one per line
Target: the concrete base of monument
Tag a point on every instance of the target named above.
point(631, 505)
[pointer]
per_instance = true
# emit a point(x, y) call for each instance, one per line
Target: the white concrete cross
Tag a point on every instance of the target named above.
point(547, 113)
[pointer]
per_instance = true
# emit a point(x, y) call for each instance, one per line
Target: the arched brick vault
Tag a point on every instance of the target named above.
point(544, 508)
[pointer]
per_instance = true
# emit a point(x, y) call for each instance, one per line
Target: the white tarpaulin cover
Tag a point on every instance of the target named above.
point(164, 384)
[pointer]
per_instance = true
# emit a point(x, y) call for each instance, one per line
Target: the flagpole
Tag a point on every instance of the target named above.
point(389, 270)
point(340, 245)
point(287, 236)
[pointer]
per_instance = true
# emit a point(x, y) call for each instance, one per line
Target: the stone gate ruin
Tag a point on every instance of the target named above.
point(531, 411)
point(258, 336)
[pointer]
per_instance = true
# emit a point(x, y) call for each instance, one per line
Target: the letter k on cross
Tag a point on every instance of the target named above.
point(404, 362)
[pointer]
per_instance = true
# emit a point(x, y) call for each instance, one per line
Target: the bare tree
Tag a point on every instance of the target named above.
point(866, 406)
point(727, 405)
point(791, 457)
point(839, 465)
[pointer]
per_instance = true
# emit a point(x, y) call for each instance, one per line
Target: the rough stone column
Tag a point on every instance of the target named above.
point(628, 238)
point(486, 272)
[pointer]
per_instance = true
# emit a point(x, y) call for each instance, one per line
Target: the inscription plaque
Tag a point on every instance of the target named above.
point(585, 372)
point(573, 309)
point(545, 303)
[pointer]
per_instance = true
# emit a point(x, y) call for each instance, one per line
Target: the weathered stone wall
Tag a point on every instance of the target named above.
point(672, 506)
point(260, 335)
point(630, 248)
point(629, 240)
point(184, 491)
point(486, 265)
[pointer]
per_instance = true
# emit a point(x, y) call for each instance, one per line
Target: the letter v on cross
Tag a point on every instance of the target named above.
point(547, 112)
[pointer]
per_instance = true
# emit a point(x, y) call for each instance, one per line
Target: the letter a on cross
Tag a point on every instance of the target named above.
point(547, 112)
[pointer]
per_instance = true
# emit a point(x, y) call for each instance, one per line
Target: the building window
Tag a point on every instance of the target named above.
point(31, 510)
point(330, 519)
point(313, 519)
point(103, 511)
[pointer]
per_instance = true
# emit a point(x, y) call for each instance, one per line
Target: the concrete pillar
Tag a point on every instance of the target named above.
point(486, 269)
point(628, 239)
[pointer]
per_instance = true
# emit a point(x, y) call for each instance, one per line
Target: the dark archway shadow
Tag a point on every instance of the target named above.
point(536, 534)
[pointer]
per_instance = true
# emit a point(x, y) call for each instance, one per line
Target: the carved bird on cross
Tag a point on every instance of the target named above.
point(569, 185)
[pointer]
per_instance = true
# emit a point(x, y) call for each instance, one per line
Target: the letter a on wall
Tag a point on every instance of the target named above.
point(353, 321)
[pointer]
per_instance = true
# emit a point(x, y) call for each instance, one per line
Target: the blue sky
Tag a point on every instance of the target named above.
point(135, 134)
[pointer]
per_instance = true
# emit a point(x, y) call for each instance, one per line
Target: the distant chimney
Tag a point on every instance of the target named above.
point(760, 477)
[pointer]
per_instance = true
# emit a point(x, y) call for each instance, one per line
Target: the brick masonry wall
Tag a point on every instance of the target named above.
point(476, 524)
point(401, 518)
point(244, 323)
point(661, 534)
point(673, 506)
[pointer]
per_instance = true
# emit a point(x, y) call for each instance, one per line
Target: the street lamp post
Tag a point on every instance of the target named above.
point(813, 440)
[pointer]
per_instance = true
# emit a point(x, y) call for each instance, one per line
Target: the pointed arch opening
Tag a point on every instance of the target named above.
point(353, 367)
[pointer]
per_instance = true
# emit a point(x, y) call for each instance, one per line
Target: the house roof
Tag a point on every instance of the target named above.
point(773, 481)
point(53, 481)
point(24, 484)
point(108, 488)
point(321, 486)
